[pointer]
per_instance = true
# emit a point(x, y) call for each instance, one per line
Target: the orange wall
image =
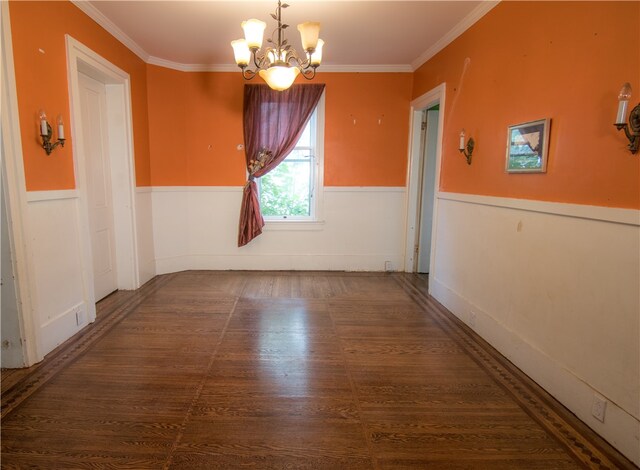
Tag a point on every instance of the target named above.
point(373, 151)
point(41, 80)
point(531, 60)
point(195, 125)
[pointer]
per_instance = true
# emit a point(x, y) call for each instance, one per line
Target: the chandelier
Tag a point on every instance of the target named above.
point(278, 64)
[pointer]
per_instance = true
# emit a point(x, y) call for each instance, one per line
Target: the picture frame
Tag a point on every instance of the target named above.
point(528, 146)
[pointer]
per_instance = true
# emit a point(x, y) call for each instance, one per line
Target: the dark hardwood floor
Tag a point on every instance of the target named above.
point(285, 370)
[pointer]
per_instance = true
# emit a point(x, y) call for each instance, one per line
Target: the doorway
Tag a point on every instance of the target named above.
point(427, 187)
point(425, 152)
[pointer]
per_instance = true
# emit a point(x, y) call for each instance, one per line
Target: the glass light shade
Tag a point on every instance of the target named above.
point(241, 51)
point(625, 92)
point(316, 57)
point(309, 32)
point(279, 77)
point(253, 32)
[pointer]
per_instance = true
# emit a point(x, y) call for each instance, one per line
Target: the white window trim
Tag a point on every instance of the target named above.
point(316, 220)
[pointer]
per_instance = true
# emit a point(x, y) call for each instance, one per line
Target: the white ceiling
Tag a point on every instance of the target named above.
point(358, 35)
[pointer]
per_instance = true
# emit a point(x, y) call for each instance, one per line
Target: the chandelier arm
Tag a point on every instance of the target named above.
point(308, 73)
point(257, 58)
point(248, 74)
point(301, 64)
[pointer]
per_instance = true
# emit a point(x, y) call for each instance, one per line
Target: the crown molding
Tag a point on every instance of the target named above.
point(380, 68)
point(485, 7)
point(192, 67)
point(92, 12)
point(400, 68)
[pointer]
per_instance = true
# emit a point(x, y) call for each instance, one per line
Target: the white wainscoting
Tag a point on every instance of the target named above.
point(144, 233)
point(556, 289)
point(59, 292)
point(62, 296)
point(196, 228)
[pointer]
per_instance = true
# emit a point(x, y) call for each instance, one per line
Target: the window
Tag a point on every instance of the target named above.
point(292, 191)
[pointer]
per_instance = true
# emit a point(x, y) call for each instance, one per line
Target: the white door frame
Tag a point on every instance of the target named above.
point(429, 99)
point(16, 192)
point(81, 59)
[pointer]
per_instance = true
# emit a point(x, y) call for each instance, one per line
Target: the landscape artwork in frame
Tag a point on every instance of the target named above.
point(527, 146)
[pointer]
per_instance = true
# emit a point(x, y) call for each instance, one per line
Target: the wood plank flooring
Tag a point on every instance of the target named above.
point(285, 370)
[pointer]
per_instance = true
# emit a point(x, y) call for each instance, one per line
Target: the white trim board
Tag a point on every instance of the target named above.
point(607, 214)
point(194, 189)
point(278, 262)
point(35, 196)
point(326, 68)
point(365, 189)
point(12, 165)
point(119, 123)
point(217, 189)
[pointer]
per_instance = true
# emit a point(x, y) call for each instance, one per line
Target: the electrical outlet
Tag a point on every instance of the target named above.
point(472, 319)
point(388, 266)
point(599, 408)
point(79, 317)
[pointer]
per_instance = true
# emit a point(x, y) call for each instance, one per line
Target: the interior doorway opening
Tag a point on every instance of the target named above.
point(429, 140)
point(425, 153)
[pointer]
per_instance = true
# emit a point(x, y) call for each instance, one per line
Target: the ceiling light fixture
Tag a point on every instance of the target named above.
point(279, 64)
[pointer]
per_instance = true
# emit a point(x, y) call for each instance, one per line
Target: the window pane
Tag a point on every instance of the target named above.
point(299, 154)
point(285, 190)
point(305, 138)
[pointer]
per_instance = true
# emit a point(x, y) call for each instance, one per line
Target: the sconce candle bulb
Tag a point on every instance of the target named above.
point(467, 150)
point(60, 127)
point(632, 128)
point(43, 123)
point(623, 103)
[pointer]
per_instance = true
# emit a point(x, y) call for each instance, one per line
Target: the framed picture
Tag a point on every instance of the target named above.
point(527, 146)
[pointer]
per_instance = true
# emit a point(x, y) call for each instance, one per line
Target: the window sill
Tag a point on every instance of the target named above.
point(293, 225)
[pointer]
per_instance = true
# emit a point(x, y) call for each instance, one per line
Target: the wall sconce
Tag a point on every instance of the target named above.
point(46, 133)
point(468, 151)
point(634, 118)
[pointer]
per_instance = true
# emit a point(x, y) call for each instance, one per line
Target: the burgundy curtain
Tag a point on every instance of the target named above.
point(273, 122)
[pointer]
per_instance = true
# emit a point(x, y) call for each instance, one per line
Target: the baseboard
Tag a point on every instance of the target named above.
point(56, 330)
point(620, 429)
point(267, 262)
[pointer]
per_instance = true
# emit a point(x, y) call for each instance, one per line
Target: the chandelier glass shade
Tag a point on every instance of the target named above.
point(278, 63)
